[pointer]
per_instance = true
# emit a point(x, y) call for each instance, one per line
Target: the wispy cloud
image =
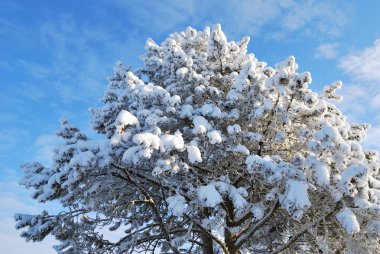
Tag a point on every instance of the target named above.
point(44, 148)
point(158, 13)
point(39, 71)
point(315, 18)
point(75, 67)
point(327, 51)
point(78, 58)
point(31, 91)
point(372, 139)
point(10, 138)
point(363, 65)
point(11, 241)
point(277, 18)
point(308, 18)
point(362, 102)
point(14, 199)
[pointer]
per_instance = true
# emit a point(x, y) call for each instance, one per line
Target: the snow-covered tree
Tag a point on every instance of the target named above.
point(208, 150)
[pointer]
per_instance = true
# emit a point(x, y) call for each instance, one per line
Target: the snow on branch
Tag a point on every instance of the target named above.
point(207, 149)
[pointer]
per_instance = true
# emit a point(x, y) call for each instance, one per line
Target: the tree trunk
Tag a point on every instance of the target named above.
point(231, 243)
point(207, 244)
point(207, 241)
point(228, 236)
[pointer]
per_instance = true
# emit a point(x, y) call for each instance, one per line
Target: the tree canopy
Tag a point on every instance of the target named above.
point(206, 149)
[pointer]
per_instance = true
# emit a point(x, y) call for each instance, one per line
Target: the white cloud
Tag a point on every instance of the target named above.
point(11, 193)
point(327, 51)
point(352, 104)
point(362, 102)
point(363, 65)
point(37, 70)
point(15, 199)
point(251, 16)
point(286, 16)
point(375, 100)
point(240, 17)
point(162, 16)
point(373, 138)
point(76, 69)
point(328, 18)
point(282, 18)
point(77, 58)
point(31, 91)
point(44, 148)
point(12, 243)
point(10, 138)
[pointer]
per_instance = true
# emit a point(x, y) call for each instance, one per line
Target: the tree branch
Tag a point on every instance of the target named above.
point(156, 211)
point(255, 227)
point(294, 238)
point(206, 232)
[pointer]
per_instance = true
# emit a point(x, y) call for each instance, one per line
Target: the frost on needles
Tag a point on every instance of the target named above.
point(208, 150)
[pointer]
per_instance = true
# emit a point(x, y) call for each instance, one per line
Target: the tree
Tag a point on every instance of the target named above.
point(208, 150)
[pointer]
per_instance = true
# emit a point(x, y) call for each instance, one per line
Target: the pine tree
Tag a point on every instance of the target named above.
point(208, 150)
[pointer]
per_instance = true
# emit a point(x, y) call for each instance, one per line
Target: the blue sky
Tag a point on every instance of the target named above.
point(55, 57)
